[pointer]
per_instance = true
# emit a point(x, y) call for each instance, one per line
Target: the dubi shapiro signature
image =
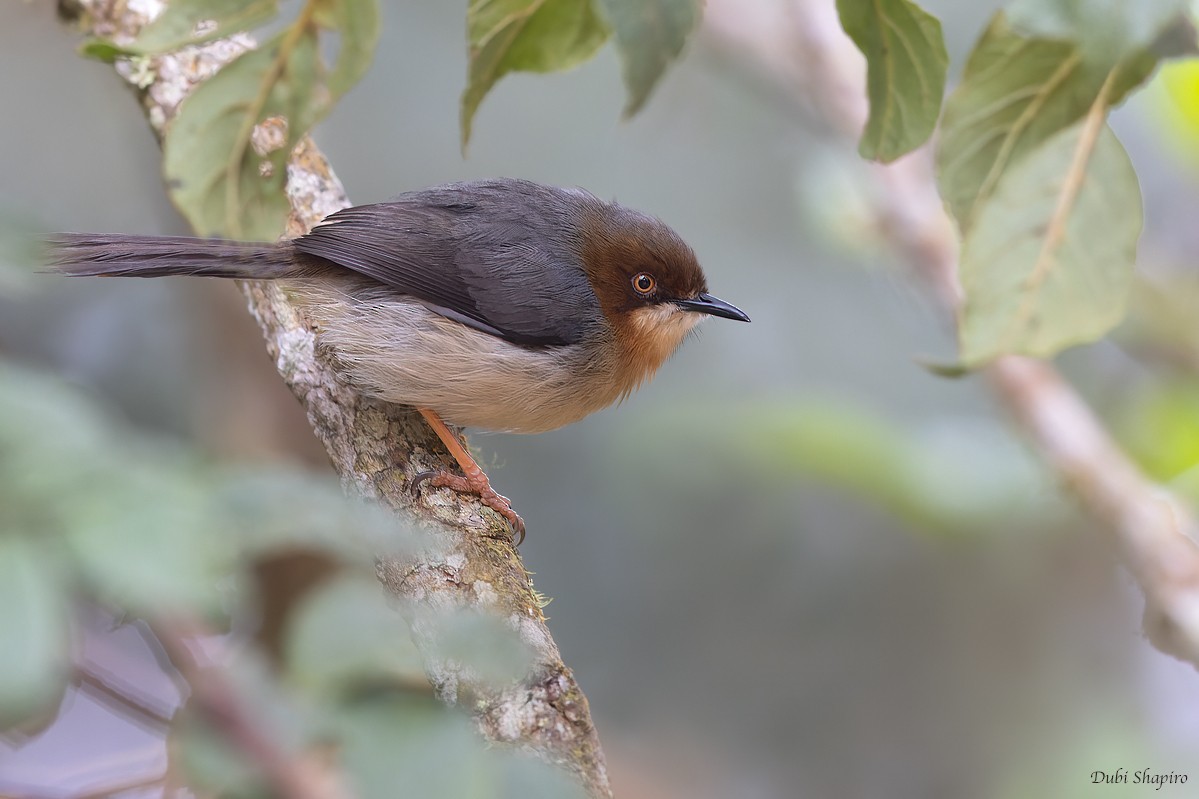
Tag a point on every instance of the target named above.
point(1142, 777)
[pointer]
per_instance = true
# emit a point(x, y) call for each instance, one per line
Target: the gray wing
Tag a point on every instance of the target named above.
point(496, 255)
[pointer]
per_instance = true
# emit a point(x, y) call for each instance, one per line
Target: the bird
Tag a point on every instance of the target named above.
point(502, 304)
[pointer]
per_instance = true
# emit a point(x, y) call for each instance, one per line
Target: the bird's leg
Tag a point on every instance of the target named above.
point(474, 481)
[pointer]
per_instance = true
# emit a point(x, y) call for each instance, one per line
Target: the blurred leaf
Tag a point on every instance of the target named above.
point(34, 635)
point(433, 750)
point(649, 35)
point(132, 510)
point(271, 509)
point(152, 543)
point(1108, 740)
point(514, 774)
point(186, 22)
point(1049, 262)
point(524, 36)
point(214, 765)
point(1159, 427)
point(152, 530)
point(906, 59)
point(345, 635)
point(1105, 31)
point(1160, 325)
point(837, 202)
point(948, 476)
point(209, 761)
point(148, 524)
point(54, 451)
point(227, 184)
point(1175, 92)
point(485, 644)
point(1015, 94)
point(437, 754)
point(101, 50)
point(357, 24)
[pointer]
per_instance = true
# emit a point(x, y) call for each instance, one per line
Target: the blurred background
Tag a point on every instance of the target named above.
point(796, 564)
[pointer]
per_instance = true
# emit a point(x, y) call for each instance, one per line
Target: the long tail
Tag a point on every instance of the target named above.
point(116, 255)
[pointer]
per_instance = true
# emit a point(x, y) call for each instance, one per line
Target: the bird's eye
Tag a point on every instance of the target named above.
point(644, 284)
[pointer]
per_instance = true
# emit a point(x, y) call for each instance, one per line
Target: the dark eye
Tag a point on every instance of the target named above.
point(644, 283)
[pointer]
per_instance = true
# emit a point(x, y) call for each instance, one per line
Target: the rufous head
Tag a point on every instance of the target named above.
point(650, 286)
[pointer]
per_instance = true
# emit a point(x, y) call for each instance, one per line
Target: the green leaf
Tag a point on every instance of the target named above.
point(434, 748)
point(357, 21)
point(34, 657)
point(150, 543)
point(268, 510)
point(215, 176)
point(1158, 426)
point(480, 641)
point(905, 79)
point(215, 763)
point(346, 635)
point(946, 475)
point(1049, 262)
point(102, 50)
point(438, 754)
point(649, 35)
point(185, 22)
point(56, 453)
point(227, 179)
point(209, 760)
point(1015, 93)
point(524, 36)
point(1105, 31)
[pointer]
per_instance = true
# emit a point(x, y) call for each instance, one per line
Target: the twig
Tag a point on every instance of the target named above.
point(117, 788)
point(1153, 530)
point(123, 698)
point(213, 694)
point(378, 448)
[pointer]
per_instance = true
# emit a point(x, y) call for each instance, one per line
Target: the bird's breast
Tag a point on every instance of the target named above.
point(397, 349)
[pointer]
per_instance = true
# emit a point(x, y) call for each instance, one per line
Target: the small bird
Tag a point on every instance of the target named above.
point(502, 304)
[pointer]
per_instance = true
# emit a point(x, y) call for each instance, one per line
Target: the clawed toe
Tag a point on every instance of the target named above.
point(481, 487)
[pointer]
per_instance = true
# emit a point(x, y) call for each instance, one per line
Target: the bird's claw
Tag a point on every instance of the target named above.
point(480, 486)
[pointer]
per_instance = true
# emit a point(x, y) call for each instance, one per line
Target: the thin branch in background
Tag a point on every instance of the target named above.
point(122, 698)
point(801, 46)
point(215, 697)
point(110, 789)
point(157, 782)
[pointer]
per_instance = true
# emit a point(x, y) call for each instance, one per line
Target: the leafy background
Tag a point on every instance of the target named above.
point(797, 563)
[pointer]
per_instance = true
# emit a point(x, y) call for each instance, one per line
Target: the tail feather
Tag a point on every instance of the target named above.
point(117, 255)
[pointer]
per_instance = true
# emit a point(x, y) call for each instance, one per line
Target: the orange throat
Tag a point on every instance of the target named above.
point(649, 336)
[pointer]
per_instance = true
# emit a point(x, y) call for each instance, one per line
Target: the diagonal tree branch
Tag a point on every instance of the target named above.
point(800, 47)
point(377, 448)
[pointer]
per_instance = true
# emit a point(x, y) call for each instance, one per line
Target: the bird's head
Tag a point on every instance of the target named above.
point(650, 287)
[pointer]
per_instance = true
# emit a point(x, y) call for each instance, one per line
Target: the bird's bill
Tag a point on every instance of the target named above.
point(713, 306)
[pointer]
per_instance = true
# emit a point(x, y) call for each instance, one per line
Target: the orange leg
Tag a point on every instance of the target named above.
point(474, 482)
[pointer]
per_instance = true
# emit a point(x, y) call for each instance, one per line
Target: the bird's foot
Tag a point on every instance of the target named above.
point(475, 481)
point(478, 484)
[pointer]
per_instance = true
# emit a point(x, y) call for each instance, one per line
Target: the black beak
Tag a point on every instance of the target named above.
point(713, 306)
